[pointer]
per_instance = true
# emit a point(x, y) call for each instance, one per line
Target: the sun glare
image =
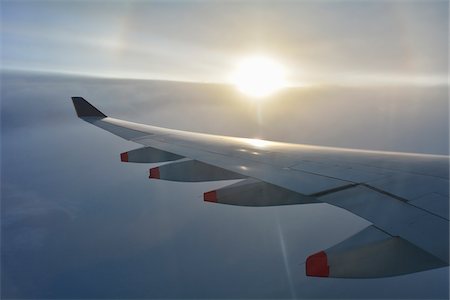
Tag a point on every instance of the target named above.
point(258, 143)
point(259, 76)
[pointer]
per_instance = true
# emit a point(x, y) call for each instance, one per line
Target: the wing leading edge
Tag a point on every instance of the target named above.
point(405, 196)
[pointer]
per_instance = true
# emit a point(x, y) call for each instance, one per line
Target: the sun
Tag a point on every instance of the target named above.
point(259, 76)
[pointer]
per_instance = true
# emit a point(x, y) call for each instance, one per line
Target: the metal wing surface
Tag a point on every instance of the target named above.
point(405, 196)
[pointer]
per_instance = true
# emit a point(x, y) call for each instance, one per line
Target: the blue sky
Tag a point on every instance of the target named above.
point(78, 223)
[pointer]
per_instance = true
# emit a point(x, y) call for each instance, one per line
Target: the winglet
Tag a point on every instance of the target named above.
point(85, 109)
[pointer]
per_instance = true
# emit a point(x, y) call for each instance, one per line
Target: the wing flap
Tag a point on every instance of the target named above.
point(434, 203)
point(411, 186)
point(355, 174)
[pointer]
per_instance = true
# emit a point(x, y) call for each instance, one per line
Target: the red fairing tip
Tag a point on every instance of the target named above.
point(317, 265)
point(154, 173)
point(210, 196)
point(124, 157)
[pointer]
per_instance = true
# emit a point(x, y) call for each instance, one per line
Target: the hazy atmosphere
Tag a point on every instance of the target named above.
point(78, 223)
point(345, 42)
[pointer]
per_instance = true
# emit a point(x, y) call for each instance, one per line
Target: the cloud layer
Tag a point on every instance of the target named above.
point(76, 222)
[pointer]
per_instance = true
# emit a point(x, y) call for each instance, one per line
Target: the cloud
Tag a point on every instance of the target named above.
point(78, 223)
point(201, 41)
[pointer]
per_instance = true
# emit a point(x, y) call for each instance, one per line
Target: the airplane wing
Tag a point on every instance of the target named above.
point(405, 196)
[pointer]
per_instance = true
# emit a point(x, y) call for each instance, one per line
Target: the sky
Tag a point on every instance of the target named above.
point(78, 223)
point(319, 42)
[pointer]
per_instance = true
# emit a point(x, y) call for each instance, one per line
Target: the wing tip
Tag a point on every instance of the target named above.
point(85, 109)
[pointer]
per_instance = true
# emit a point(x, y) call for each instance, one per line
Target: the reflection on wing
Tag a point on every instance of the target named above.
point(404, 195)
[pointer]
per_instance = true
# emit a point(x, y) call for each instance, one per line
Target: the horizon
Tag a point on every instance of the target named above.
point(77, 222)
